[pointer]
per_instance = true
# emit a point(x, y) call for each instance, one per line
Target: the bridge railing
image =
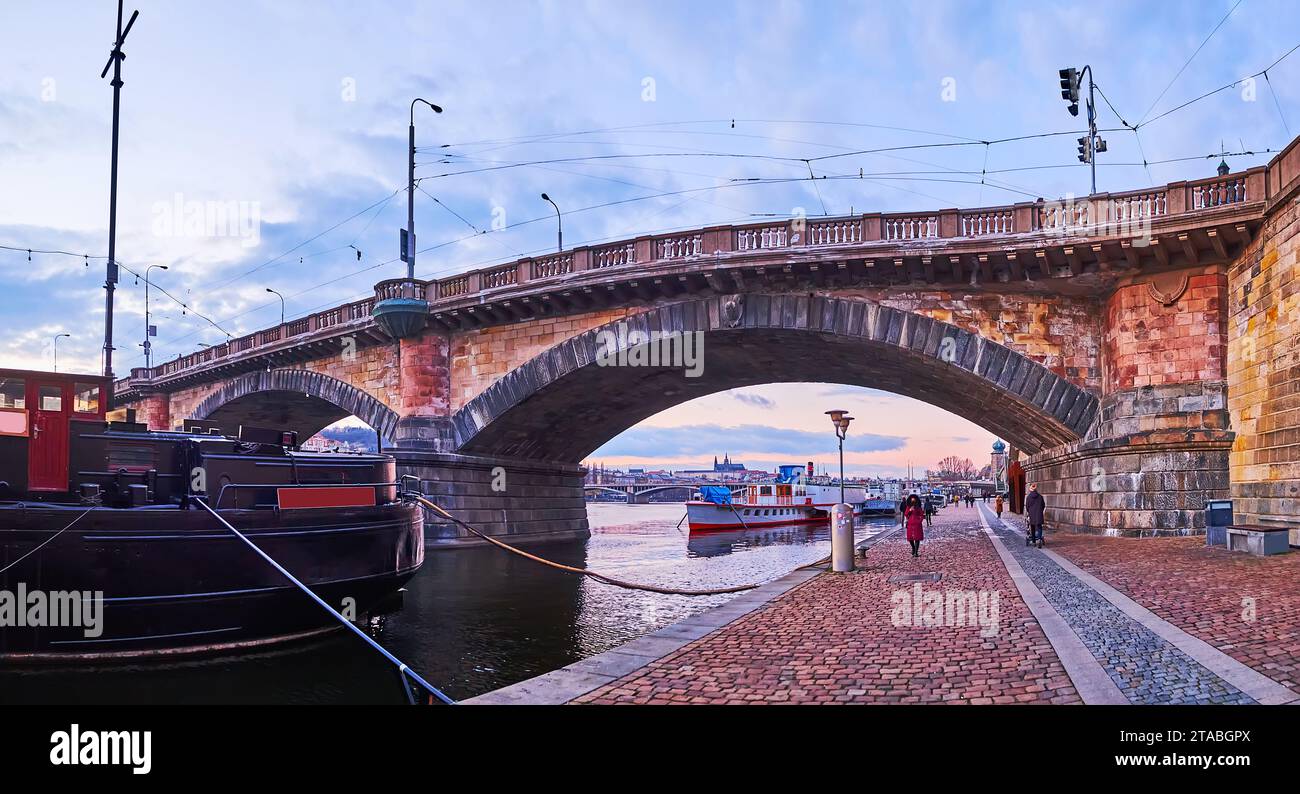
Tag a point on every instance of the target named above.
point(1175, 198)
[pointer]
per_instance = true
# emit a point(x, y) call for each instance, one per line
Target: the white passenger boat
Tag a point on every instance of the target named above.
point(788, 500)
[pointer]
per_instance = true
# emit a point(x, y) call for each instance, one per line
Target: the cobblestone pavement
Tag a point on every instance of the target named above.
point(834, 639)
point(1146, 668)
point(1247, 607)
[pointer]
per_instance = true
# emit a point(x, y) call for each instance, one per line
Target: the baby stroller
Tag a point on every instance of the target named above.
point(1029, 535)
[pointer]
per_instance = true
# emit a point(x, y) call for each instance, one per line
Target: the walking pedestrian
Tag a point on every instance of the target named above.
point(1034, 507)
point(997, 505)
point(914, 520)
point(929, 511)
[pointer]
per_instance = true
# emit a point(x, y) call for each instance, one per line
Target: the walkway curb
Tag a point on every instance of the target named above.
point(1260, 687)
point(1090, 679)
point(575, 680)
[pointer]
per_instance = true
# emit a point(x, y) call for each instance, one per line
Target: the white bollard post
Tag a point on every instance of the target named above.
point(842, 538)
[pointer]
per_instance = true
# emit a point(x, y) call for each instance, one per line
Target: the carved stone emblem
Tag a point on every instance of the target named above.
point(733, 309)
point(1167, 288)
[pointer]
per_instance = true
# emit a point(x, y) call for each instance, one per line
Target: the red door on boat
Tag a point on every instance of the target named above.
point(47, 462)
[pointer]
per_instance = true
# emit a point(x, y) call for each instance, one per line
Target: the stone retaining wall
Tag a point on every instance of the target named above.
point(517, 501)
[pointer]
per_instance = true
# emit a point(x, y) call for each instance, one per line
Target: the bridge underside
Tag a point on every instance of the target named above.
point(565, 404)
point(302, 413)
point(579, 413)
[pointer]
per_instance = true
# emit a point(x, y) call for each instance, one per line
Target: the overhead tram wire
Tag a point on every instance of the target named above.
point(658, 124)
point(674, 171)
point(1208, 94)
point(275, 259)
point(1277, 104)
point(87, 257)
point(466, 221)
point(1187, 63)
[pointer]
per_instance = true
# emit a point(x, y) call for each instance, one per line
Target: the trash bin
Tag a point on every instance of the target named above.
point(1218, 517)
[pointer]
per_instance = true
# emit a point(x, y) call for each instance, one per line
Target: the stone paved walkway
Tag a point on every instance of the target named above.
point(1146, 668)
point(1142, 621)
point(1247, 607)
point(834, 640)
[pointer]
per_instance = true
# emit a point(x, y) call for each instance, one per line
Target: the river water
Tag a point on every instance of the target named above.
point(474, 619)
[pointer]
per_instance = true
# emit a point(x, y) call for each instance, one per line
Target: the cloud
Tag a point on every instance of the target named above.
point(756, 400)
point(753, 440)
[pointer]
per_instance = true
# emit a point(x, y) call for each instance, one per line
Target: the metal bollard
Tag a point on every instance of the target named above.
point(842, 538)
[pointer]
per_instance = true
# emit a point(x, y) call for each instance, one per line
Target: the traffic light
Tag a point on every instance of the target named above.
point(1101, 144)
point(1085, 149)
point(1070, 88)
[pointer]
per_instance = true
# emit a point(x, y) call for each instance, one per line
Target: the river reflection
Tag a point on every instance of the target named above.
point(475, 619)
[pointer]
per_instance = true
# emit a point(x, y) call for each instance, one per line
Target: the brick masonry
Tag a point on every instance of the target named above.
point(1159, 449)
point(155, 411)
point(1151, 340)
point(1264, 373)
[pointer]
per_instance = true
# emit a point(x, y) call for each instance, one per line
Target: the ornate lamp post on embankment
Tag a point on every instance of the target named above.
point(842, 517)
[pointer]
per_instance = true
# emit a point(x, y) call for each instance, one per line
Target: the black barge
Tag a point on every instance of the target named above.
point(105, 552)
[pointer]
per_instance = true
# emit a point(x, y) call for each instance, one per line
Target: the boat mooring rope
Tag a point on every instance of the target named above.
point(45, 543)
point(404, 673)
point(600, 577)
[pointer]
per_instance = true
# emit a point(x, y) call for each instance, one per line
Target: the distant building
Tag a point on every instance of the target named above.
point(724, 470)
point(998, 466)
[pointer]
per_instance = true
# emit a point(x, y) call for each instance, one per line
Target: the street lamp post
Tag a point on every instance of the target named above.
point(281, 297)
point(840, 419)
point(559, 222)
point(842, 518)
point(57, 337)
point(410, 195)
point(148, 346)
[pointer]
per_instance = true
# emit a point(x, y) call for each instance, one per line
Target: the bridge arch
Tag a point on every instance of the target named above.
point(563, 404)
point(294, 399)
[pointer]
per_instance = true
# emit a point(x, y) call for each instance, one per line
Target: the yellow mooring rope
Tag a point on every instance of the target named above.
point(600, 577)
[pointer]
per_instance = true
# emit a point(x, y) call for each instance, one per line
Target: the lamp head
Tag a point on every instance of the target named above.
point(836, 416)
point(545, 197)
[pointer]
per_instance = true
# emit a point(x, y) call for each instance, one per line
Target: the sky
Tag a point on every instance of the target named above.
point(291, 117)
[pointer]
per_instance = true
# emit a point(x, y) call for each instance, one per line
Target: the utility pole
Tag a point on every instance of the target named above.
point(115, 59)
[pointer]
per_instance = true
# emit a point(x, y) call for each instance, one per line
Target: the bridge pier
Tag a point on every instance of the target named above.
point(1155, 457)
point(519, 501)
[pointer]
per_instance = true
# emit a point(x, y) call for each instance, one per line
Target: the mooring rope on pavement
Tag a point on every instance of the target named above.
point(600, 577)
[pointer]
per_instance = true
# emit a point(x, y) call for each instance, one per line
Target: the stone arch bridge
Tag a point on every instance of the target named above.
point(1134, 346)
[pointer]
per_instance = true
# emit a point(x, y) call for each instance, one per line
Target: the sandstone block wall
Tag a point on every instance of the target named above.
point(1264, 373)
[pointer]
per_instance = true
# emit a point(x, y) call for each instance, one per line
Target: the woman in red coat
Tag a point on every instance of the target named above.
point(914, 520)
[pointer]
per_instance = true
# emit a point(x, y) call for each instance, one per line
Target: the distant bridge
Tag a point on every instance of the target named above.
point(635, 491)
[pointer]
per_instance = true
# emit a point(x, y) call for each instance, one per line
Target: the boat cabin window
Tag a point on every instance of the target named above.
point(13, 393)
point(85, 398)
point(51, 398)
